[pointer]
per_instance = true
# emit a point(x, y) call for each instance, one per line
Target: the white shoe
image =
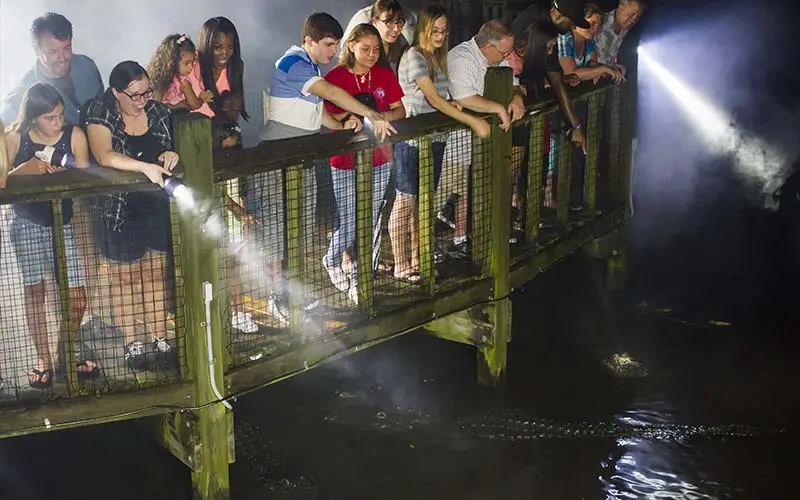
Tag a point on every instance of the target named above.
point(353, 293)
point(338, 277)
point(278, 309)
point(243, 322)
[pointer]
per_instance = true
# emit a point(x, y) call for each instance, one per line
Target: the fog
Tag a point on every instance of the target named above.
point(730, 55)
point(110, 31)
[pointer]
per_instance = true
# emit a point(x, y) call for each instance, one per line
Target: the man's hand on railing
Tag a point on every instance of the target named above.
point(516, 108)
point(505, 120)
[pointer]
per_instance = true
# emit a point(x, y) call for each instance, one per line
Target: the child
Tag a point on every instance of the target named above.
point(225, 125)
point(169, 71)
point(219, 66)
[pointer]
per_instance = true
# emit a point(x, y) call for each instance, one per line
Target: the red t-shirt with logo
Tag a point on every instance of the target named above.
point(380, 82)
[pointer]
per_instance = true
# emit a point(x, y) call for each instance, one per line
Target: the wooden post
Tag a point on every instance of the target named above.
point(533, 196)
point(66, 333)
point(426, 217)
point(364, 230)
point(199, 263)
point(295, 242)
point(592, 152)
point(563, 178)
point(480, 193)
point(492, 360)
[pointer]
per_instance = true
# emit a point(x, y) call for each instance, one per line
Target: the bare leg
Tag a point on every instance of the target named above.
point(35, 313)
point(123, 298)
point(414, 216)
point(461, 217)
point(398, 224)
point(154, 288)
point(77, 307)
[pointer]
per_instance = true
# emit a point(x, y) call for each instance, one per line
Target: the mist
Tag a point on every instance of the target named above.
point(729, 54)
point(111, 31)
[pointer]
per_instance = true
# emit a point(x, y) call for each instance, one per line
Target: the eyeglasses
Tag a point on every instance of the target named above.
point(440, 32)
point(141, 96)
point(399, 23)
point(503, 55)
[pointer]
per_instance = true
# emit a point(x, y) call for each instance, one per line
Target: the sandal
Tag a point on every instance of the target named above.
point(412, 277)
point(385, 268)
point(90, 370)
point(36, 378)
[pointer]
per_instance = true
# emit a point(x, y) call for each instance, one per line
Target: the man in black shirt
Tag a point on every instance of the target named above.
point(535, 30)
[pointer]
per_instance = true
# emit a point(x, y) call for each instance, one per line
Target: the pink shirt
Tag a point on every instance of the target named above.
point(174, 96)
point(197, 85)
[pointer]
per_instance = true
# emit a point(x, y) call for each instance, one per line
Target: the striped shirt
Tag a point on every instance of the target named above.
point(290, 103)
point(413, 66)
point(467, 67)
point(566, 48)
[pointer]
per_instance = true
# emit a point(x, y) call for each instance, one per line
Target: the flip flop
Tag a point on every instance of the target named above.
point(38, 382)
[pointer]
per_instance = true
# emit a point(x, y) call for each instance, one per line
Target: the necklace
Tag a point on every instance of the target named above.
point(364, 77)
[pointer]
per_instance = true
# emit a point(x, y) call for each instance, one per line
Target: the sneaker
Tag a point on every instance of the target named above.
point(352, 293)
point(134, 355)
point(278, 308)
point(243, 322)
point(460, 251)
point(338, 277)
point(447, 213)
point(164, 354)
point(438, 255)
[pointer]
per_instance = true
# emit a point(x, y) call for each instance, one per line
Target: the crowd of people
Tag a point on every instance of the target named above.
point(392, 64)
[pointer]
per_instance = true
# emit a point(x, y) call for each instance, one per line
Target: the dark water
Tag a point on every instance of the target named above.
point(407, 420)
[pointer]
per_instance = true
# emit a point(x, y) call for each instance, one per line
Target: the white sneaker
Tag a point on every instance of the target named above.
point(243, 322)
point(338, 277)
point(278, 309)
point(353, 293)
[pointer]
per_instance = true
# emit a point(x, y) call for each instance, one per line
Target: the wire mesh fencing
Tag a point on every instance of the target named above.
point(87, 307)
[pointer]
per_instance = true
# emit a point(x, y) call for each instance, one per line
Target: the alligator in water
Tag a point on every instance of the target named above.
point(515, 425)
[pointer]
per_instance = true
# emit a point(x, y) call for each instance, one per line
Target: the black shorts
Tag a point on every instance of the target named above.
point(520, 135)
point(147, 227)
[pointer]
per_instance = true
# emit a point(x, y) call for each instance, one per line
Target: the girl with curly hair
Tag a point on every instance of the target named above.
point(169, 69)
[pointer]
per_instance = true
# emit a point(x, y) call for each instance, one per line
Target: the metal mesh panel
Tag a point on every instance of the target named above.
point(87, 309)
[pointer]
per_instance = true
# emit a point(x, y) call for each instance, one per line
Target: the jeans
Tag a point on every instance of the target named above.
point(265, 195)
point(344, 191)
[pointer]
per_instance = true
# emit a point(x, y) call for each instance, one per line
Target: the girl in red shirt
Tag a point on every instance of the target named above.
point(376, 86)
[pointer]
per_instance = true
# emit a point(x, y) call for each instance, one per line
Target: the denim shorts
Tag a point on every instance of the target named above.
point(33, 245)
point(406, 160)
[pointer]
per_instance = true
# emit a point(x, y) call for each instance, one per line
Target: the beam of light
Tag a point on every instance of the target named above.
point(755, 160)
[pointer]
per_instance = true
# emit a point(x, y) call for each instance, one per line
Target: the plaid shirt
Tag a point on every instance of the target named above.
point(607, 42)
point(113, 207)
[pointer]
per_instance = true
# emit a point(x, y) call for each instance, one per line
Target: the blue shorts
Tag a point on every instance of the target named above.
point(406, 160)
point(33, 245)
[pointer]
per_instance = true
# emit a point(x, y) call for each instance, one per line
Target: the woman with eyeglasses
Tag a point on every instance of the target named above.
point(129, 130)
point(389, 19)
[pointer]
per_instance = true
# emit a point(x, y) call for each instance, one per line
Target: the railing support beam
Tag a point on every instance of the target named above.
point(492, 359)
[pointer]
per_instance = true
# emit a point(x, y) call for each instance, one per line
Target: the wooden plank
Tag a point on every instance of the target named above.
point(548, 255)
point(373, 332)
point(592, 152)
point(364, 230)
point(200, 263)
point(533, 197)
point(425, 215)
point(69, 413)
point(492, 360)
